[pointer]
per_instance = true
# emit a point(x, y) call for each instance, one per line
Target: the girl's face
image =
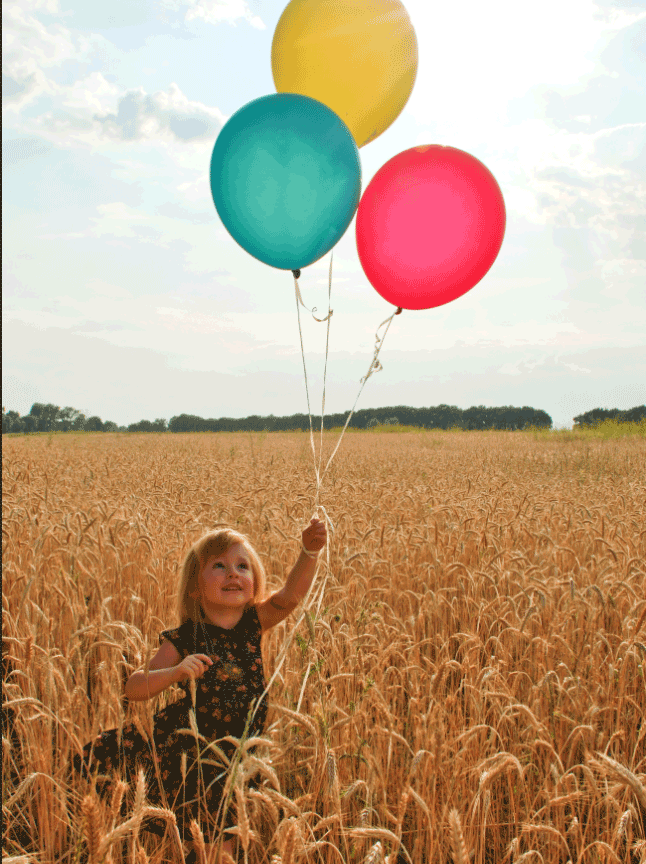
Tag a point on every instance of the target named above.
point(226, 581)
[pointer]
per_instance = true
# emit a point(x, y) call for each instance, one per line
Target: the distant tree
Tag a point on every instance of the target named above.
point(79, 421)
point(541, 418)
point(597, 415)
point(110, 426)
point(66, 418)
point(30, 423)
point(141, 426)
point(94, 424)
point(634, 415)
point(475, 417)
point(11, 422)
point(159, 425)
point(186, 423)
point(46, 415)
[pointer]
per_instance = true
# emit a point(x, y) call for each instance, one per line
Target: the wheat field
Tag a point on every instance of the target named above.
point(470, 689)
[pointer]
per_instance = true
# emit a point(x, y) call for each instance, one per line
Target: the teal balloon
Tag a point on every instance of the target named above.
point(286, 179)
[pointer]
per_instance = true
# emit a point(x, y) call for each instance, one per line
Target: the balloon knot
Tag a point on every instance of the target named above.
point(399, 310)
point(297, 274)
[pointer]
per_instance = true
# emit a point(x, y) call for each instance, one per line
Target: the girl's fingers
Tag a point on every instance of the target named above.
point(195, 667)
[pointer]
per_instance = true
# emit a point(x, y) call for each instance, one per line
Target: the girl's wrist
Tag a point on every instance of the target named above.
point(308, 553)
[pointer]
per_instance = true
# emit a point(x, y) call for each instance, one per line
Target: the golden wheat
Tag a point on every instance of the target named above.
point(479, 648)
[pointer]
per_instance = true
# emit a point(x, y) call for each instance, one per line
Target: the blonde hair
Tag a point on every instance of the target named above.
point(212, 544)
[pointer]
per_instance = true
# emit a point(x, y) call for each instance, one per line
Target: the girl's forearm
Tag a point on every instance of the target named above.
point(140, 686)
point(300, 578)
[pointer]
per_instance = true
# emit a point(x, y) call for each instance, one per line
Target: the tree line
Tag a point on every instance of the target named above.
point(438, 417)
point(51, 418)
point(598, 415)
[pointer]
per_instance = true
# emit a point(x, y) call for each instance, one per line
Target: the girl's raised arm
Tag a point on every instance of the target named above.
point(280, 604)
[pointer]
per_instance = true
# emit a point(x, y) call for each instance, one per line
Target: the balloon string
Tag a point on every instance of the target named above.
point(299, 299)
point(375, 366)
point(327, 350)
point(307, 602)
point(317, 468)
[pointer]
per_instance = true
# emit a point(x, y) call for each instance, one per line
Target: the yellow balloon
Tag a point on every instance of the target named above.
point(358, 57)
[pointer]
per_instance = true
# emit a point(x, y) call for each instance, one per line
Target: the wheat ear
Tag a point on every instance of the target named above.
point(142, 857)
point(243, 818)
point(624, 774)
point(375, 854)
point(288, 848)
point(93, 827)
point(198, 842)
point(457, 838)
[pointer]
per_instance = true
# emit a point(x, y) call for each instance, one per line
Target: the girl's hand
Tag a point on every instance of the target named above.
point(193, 666)
point(314, 536)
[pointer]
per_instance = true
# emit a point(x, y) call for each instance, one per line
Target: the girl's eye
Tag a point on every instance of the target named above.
point(246, 566)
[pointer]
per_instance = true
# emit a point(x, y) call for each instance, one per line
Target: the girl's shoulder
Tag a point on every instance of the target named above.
point(182, 637)
point(250, 619)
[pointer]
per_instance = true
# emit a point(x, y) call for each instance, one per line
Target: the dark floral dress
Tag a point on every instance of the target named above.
point(224, 696)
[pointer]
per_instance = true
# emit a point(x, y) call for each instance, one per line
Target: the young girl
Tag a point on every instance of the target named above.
point(222, 616)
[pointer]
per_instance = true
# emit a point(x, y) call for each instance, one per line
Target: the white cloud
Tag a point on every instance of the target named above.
point(52, 7)
point(197, 322)
point(217, 11)
point(163, 114)
point(30, 47)
point(114, 220)
point(576, 368)
point(95, 113)
point(91, 110)
point(90, 95)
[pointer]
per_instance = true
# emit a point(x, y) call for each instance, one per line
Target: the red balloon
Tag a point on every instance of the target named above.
point(429, 226)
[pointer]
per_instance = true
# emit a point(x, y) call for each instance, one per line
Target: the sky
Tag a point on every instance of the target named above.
point(125, 297)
